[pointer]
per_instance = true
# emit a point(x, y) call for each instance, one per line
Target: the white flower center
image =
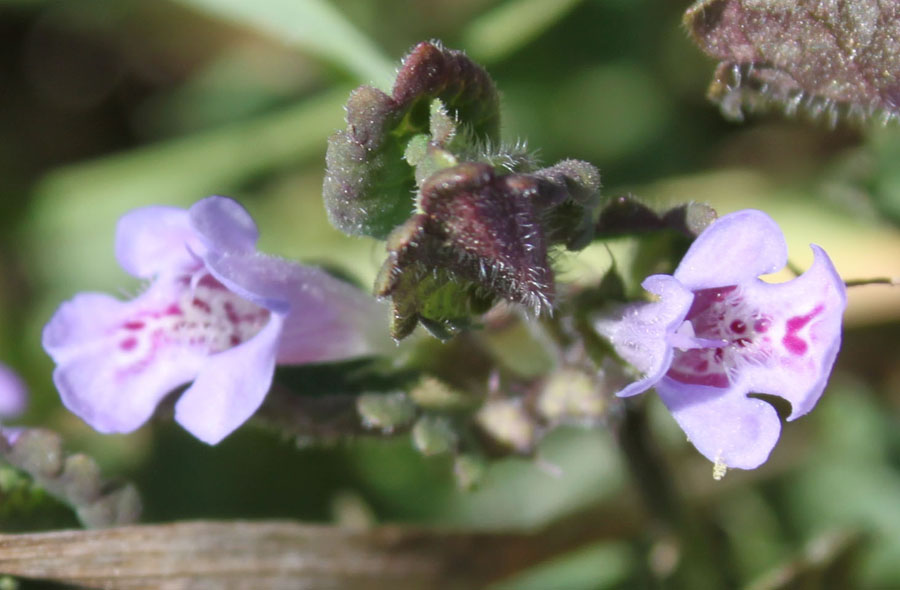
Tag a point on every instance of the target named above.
point(206, 318)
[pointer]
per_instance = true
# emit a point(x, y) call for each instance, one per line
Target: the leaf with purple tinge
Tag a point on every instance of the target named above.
point(479, 230)
point(627, 215)
point(837, 60)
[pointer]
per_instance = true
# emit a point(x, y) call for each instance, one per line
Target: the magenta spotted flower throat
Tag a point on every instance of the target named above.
point(716, 333)
point(217, 313)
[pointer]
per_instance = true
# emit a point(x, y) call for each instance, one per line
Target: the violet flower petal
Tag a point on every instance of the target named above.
point(74, 326)
point(641, 336)
point(805, 334)
point(735, 248)
point(733, 334)
point(326, 319)
point(218, 313)
point(13, 393)
point(110, 386)
point(224, 225)
point(230, 387)
point(155, 240)
point(723, 424)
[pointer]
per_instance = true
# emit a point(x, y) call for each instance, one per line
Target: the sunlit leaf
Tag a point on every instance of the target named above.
point(313, 25)
point(76, 207)
point(511, 26)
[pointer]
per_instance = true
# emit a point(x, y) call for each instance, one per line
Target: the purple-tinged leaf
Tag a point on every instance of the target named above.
point(491, 223)
point(827, 59)
point(481, 236)
point(478, 238)
point(568, 196)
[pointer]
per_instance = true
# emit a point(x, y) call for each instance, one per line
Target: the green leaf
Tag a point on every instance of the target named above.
point(424, 293)
point(74, 479)
point(385, 411)
point(367, 182)
point(71, 202)
point(434, 435)
point(312, 25)
point(512, 25)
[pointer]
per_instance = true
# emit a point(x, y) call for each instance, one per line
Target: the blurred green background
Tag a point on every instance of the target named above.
point(106, 105)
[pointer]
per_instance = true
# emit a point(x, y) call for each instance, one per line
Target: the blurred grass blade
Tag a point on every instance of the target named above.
point(191, 166)
point(313, 25)
point(177, 172)
point(512, 25)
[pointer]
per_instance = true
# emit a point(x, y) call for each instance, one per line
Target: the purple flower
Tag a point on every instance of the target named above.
point(715, 332)
point(13, 393)
point(13, 399)
point(217, 313)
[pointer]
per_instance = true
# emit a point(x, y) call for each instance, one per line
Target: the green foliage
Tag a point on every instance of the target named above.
point(315, 26)
point(73, 479)
point(385, 411)
point(367, 182)
point(615, 83)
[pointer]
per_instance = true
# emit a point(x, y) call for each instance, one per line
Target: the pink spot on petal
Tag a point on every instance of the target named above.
point(128, 344)
point(133, 325)
point(794, 344)
point(233, 316)
point(201, 305)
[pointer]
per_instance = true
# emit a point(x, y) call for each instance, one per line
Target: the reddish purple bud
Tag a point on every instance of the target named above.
point(482, 235)
point(478, 238)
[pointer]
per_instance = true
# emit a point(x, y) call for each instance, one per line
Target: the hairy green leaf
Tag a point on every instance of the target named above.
point(368, 183)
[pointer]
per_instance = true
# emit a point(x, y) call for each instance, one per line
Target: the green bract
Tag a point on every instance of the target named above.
point(467, 221)
point(367, 182)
